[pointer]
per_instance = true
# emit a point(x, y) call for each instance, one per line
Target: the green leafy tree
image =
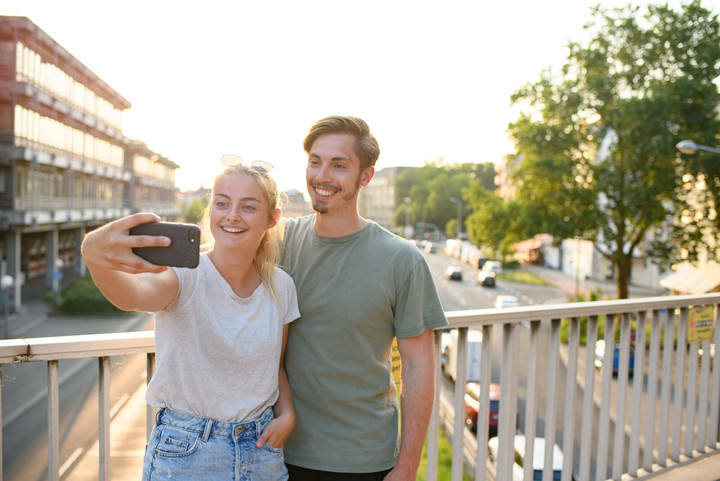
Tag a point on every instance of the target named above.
point(193, 213)
point(431, 187)
point(596, 140)
point(494, 224)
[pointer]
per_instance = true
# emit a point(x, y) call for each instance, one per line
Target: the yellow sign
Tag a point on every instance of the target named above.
point(396, 364)
point(701, 323)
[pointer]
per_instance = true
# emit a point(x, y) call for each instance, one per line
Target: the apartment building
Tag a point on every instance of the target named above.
point(65, 165)
point(377, 199)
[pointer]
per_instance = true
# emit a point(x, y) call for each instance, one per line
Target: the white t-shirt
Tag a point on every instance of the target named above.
point(217, 354)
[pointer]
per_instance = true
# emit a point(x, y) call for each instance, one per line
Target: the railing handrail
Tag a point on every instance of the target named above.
point(470, 317)
point(75, 347)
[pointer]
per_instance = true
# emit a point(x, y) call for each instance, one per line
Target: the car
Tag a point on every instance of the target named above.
point(538, 461)
point(472, 406)
point(429, 247)
point(454, 273)
point(445, 340)
point(600, 356)
point(506, 301)
point(495, 266)
point(711, 351)
point(486, 278)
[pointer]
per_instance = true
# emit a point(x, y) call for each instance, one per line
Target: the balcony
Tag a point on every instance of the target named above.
point(624, 420)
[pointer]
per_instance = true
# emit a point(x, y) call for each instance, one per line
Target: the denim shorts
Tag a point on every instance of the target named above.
point(185, 447)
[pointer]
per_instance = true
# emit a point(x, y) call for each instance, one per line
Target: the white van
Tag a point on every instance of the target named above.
point(474, 351)
point(495, 266)
point(538, 460)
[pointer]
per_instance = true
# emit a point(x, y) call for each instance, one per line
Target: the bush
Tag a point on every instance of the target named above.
point(83, 297)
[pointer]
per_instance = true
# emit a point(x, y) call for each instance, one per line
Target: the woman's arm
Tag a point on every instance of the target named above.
point(278, 430)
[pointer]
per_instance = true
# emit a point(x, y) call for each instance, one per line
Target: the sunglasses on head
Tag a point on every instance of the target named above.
point(232, 160)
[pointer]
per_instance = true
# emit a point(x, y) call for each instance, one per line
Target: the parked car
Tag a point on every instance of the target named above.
point(486, 278)
point(600, 356)
point(454, 273)
point(538, 461)
point(472, 406)
point(506, 301)
point(711, 351)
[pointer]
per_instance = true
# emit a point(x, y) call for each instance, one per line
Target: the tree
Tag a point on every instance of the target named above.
point(432, 186)
point(598, 138)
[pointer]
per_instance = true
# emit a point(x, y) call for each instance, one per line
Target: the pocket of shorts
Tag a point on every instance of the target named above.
point(273, 449)
point(175, 442)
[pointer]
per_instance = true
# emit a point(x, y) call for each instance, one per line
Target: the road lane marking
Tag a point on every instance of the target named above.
point(70, 461)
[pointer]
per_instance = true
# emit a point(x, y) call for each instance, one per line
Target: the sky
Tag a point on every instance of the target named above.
point(433, 79)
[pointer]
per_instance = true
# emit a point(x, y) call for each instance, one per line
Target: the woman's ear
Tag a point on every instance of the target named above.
point(274, 218)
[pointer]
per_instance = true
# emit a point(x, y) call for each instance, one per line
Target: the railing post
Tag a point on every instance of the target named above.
point(104, 418)
point(668, 350)
point(433, 448)
point(586, 432)
point(150, 418)
point(638, 379)
point(550, 412)
point(622, 382)
point(713, 435)
point(679, 385)
point(604, 420)
point(508, 376)
point(653, 369)
point(570, 386)
point(53, 421)
point(483, 422)
point(1, 417)
point(459, 406)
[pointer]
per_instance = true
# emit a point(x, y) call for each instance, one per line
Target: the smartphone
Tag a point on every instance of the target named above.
point(184, 250)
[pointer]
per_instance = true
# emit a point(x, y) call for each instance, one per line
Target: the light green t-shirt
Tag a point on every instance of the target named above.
point(355, 294)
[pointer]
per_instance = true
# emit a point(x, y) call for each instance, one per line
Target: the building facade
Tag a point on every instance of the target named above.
point(65, 166)
point(377, 199)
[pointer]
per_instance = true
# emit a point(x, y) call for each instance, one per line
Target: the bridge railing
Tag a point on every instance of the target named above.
point(656, 406)
point(655, 401)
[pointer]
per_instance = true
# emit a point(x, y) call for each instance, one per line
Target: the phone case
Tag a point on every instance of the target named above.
point(184, 250)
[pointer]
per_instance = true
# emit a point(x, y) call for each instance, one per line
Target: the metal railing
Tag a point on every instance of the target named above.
point(607, 425)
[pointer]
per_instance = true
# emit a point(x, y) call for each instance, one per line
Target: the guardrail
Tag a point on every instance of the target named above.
point(668, 414)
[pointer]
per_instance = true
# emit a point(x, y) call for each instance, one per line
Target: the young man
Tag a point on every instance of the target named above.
point(359, 286)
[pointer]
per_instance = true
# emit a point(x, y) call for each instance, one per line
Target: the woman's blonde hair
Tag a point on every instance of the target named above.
point(268, 252)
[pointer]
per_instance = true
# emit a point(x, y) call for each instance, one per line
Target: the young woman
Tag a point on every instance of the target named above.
point(220, 384)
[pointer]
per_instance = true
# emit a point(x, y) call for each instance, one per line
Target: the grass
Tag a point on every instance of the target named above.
point(523, 277)
point(444, 460)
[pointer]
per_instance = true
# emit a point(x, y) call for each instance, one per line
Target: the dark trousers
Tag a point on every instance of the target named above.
point(303, 474)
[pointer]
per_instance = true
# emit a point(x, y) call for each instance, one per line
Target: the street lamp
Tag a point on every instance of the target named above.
point(6, 282)
point(690, 147)
point(458, 200)
point(57, 277)
point(407, 201)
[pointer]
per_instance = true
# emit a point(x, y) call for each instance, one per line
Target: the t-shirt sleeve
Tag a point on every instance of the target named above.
point(417, 305)
point(289, 298)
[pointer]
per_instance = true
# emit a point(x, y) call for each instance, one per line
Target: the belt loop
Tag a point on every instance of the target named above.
point(157, 415)
point(206, 432)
